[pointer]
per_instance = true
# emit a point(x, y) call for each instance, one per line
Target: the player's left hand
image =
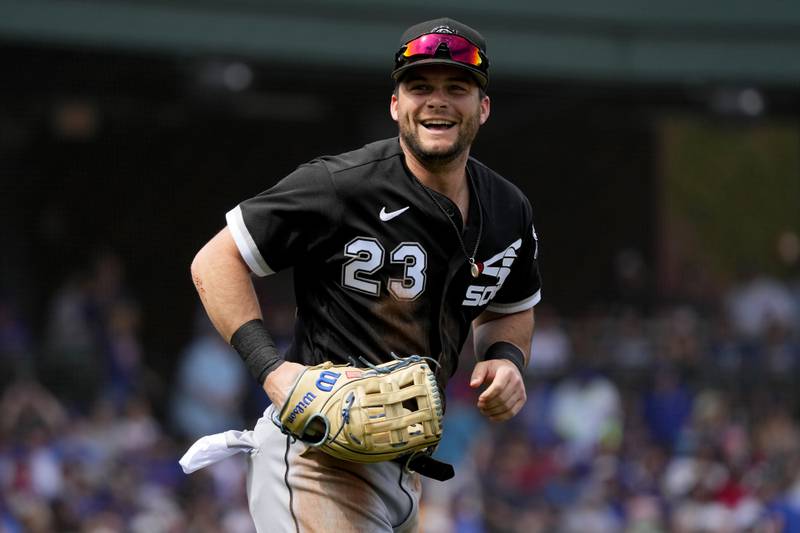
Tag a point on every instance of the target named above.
point(280, 381)
point(505, 395)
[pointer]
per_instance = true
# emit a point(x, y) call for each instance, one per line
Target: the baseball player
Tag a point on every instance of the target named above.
point(400, 247)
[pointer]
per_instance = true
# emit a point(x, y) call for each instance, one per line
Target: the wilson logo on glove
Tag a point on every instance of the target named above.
point(301, 405)
point(327, 380)
point(366, 415)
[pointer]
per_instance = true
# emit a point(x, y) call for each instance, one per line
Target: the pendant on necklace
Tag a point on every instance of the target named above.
point(475, 268)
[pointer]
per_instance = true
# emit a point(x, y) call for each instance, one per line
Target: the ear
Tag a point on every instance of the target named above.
point(393, 107)
point(486, 106)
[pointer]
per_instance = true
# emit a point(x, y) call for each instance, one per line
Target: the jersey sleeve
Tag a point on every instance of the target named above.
point(283, 225)
point(523, 287)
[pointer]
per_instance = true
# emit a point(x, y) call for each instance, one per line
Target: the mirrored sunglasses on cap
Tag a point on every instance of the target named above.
point(459, 48)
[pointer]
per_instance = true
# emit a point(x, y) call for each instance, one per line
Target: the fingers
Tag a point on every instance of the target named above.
point(509, 399)
point(497, 408)
point(505, 395)
point(478, 375)
point(505, 382)
point(502, 416)
point(499, 391)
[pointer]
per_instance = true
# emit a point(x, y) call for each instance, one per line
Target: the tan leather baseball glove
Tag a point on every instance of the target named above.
point(366, 415)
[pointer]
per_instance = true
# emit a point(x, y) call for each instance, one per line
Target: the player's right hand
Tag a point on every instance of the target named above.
point(505, 395)
point(280, 381)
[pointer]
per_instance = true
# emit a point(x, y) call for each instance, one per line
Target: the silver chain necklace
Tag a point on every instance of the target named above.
point(475, 268)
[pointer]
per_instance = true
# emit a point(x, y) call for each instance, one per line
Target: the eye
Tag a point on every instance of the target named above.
point(419, 87)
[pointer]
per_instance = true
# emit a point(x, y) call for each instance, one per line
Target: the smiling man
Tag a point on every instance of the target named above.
point(400, 247)
point(438, 115)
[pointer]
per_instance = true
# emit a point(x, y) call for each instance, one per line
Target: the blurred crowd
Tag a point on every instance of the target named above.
point(677, 416)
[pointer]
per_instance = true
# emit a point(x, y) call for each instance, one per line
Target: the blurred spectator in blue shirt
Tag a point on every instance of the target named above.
point(211, 385)
point(667, 406)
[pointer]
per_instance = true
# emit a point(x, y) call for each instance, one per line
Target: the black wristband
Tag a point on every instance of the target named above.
point(506, 350)
point(257, 349)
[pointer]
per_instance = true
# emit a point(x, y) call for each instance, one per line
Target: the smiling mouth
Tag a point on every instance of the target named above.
point(437, 125)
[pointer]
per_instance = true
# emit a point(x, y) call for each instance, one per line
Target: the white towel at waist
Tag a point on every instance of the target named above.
point(214, 448)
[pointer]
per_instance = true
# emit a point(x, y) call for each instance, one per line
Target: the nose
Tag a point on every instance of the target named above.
point(437, 99)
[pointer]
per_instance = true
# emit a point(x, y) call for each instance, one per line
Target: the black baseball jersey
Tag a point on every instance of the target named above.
point(378, 264)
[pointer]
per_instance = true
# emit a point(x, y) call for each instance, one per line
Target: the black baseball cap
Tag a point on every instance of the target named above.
point(442, 56)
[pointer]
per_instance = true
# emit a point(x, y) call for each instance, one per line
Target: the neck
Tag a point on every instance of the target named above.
point(448, 178)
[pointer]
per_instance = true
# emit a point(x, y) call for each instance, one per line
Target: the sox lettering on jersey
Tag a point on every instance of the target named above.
point(498, 266)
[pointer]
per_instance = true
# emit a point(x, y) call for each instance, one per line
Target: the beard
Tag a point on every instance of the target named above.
point(439, 157)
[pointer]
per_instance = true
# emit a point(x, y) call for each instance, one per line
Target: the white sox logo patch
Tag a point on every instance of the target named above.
point(499, 267)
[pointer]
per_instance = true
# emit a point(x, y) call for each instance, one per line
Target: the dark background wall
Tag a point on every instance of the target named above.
point(135, 153)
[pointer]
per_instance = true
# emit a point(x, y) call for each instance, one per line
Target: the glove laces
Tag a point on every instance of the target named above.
point(399, 362)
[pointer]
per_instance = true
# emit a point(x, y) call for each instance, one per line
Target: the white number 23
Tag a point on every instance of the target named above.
point(366, 257)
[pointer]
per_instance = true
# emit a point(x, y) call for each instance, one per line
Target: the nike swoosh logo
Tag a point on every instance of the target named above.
point(390, 215)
